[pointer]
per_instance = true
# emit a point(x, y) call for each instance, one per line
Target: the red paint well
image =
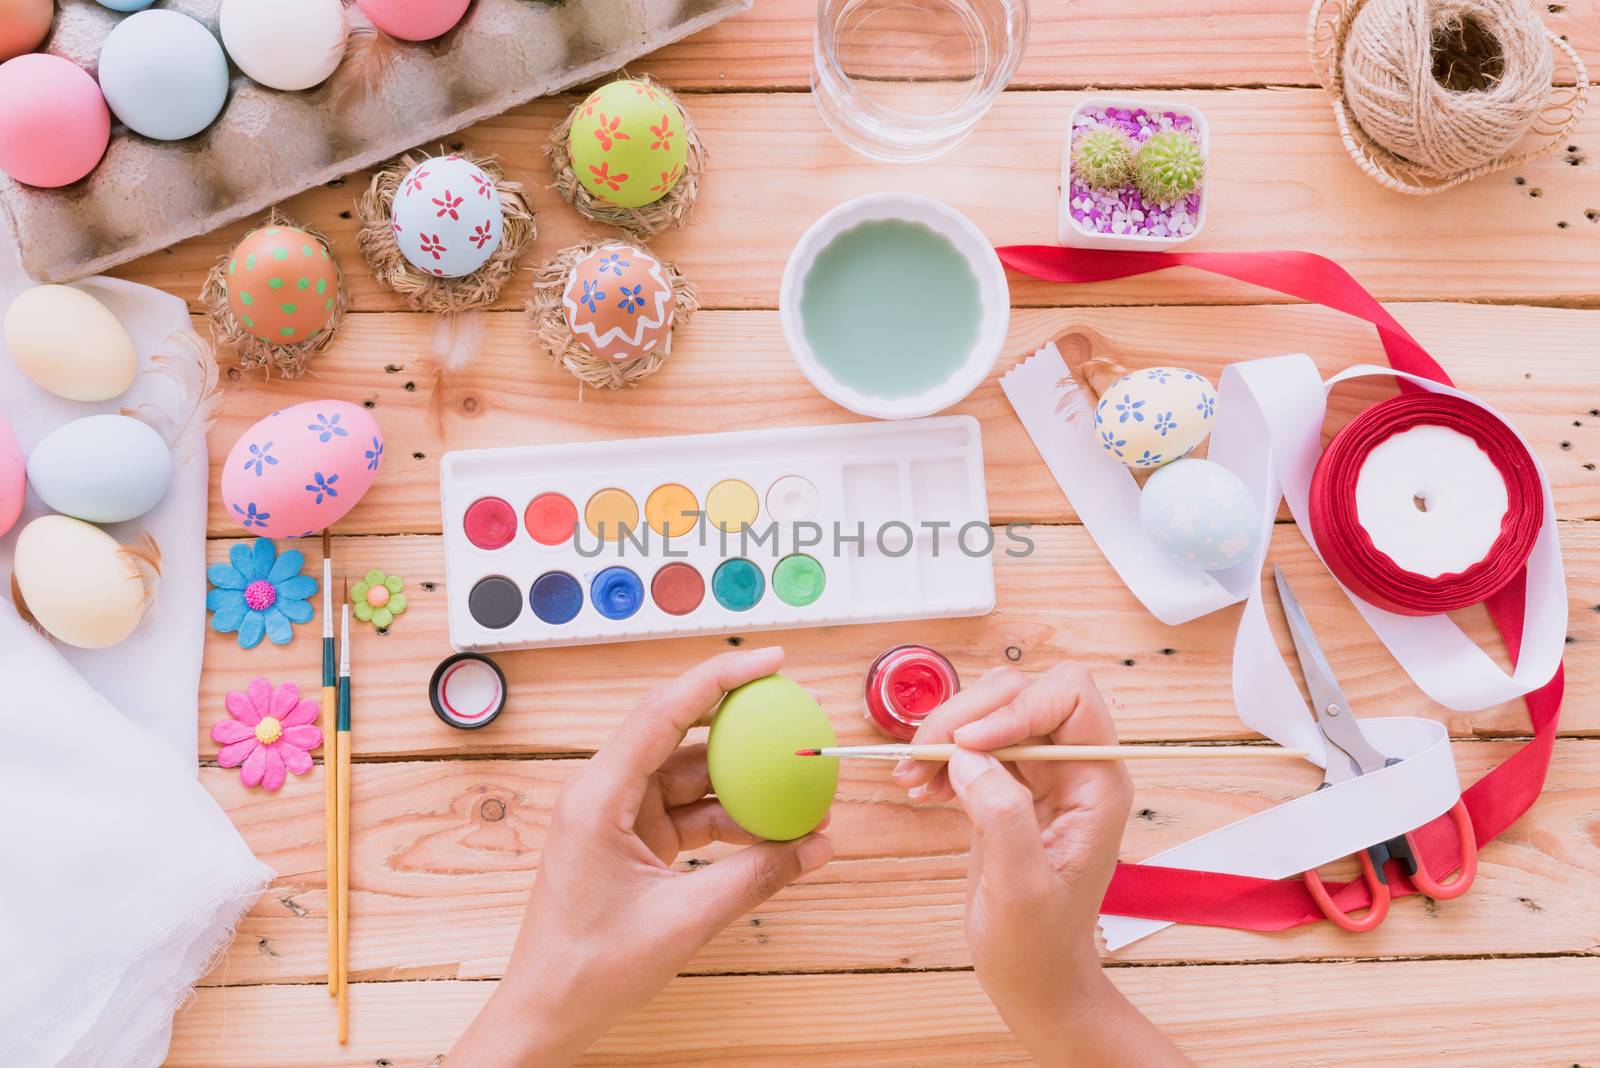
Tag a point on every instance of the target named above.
point(490, 523)
point(551, 519)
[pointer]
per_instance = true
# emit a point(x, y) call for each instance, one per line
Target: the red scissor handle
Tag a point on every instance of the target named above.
point(1468, 869)
point(1375, 912)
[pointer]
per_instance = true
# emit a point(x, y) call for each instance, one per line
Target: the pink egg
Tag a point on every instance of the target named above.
point(13, 478)
point(54, 124)
point(414, 20)
point(301, 469)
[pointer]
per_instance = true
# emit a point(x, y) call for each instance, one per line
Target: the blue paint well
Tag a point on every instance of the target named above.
point(555, 597)
point(617, 592)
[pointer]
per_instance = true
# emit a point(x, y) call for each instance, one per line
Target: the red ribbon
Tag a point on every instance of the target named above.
point(1495, 801)
point(1347, 547)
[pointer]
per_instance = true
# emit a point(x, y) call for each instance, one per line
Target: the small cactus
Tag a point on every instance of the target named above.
point(1169, 166)
point(1103, 158)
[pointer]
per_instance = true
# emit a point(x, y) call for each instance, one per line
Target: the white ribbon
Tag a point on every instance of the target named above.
point(1268, 432)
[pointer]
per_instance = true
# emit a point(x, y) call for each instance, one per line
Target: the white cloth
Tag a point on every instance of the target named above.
point(122, 878)
point(153, 677)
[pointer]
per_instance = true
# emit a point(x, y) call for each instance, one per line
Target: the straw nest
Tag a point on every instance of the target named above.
point(1429, 94)
point(288, 360)
point(424, 292)
point(549, 320)
point(671, 211)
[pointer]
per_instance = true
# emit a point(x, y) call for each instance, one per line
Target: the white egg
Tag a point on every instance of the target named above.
point(102, 468)
point(1201, 514)
point(70, 344)
point(79, 583)
point(1153, 416)
point(447, 218)
point(285, 44)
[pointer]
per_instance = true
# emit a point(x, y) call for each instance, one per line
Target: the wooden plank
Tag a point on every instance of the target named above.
point(1060, 603)
point(444, 853)
point(1279, 179)
point(1466, 1013)
point(1533, 364)
point(1079, 45)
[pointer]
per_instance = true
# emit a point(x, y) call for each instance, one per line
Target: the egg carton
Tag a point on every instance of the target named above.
point(268, 145)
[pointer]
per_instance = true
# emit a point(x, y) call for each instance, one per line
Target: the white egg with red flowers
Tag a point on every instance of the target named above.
point(446, 217)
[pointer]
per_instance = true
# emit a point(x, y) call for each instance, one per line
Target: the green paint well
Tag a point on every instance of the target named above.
point(798, 580)
point(890, 308)
point(737, 584)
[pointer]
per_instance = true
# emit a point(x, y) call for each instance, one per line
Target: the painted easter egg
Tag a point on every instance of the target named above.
point(54, 124)
point(447, 218)
point(1152, 417)
point(282, 284)
point(163, 74)
point(627, 144)
point(126, 5)
point(13, 478)
point(24, 25)
point(284, 44)
point(618, 302)
point(768, 790)
point(101, 468)
point(414, 20)
point(78, 581)
point(70, 344)
point(301, 469)
point(1201, 514)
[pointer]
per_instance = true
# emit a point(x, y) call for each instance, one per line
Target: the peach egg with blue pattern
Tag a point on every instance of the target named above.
point(618, 302)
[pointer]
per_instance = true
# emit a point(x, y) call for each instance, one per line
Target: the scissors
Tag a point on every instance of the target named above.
point(1351, 754)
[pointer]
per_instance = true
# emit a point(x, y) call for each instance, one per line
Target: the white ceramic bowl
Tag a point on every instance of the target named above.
point(1070, 233)
point(994, 296)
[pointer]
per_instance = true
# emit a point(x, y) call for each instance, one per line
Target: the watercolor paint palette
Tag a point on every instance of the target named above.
point(594, 542)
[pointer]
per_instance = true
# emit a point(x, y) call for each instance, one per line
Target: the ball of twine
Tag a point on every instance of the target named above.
point(550, 328)
point(1432, 93)
point(425, 292)
point(672, 210)
point(254, 352)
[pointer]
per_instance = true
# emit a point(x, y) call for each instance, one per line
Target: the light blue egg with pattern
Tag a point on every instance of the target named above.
point(1201, 514)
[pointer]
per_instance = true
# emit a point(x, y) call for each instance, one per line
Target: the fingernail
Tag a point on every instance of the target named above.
point(916, 792)
point(963, 732)
point(814, 851)
point(902, 767)
point(967, 765)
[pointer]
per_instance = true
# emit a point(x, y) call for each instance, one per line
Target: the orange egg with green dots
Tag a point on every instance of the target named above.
point(282, 284)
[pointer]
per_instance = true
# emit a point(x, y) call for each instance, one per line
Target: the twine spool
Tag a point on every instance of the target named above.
point(1432, 93)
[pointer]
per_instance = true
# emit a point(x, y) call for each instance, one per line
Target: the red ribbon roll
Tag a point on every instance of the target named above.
point(1347, 547)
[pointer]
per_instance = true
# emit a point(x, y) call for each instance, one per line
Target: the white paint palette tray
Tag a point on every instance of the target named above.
point(595, 542)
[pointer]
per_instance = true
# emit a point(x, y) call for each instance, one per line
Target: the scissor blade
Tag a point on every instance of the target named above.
point(1328, 702)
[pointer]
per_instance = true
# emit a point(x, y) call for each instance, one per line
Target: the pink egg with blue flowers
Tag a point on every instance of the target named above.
point(301, 469)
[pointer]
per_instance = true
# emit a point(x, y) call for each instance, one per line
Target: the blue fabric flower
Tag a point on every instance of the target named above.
point(259, 593)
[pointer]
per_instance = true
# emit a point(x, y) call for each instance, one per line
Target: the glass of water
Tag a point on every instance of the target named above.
point(906, 80)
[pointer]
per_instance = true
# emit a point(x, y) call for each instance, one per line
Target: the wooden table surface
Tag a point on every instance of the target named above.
point(864, 962)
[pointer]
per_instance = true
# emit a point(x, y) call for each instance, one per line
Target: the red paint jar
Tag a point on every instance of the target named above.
point(904, 685)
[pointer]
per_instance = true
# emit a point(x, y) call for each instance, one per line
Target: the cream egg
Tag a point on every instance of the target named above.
point(81, 585)
point(285, 44)
point(70, 344)
point(1151, 417)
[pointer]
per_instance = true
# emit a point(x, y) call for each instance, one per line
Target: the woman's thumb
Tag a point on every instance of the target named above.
point(744, 881)
point(1001, 811)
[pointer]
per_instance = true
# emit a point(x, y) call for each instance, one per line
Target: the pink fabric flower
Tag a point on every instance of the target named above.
point(271, 732)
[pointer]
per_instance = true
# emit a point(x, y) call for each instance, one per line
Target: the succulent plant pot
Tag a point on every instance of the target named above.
point(1126, 227)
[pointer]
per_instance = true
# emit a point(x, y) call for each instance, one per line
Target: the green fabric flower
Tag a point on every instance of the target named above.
point(377, 598)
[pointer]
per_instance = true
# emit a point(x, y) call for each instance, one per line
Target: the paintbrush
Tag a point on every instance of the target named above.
point(330, 760)
point(938, 752)
point(343, 735)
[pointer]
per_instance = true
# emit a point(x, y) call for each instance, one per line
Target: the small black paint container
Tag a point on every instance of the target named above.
point(467, 691)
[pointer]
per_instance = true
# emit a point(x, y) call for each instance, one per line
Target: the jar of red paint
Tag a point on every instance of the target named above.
point(904, 685)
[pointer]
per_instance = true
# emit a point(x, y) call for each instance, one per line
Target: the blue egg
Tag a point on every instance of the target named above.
point(616, 592)
point(101, 469)
point(126, 5)
point(1201, 514)
point(163, 74)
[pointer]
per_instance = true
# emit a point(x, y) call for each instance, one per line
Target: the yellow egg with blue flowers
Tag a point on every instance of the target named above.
point(1155, 415)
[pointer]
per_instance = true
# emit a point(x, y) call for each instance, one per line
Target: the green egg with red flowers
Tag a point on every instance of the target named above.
point(766, 788)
